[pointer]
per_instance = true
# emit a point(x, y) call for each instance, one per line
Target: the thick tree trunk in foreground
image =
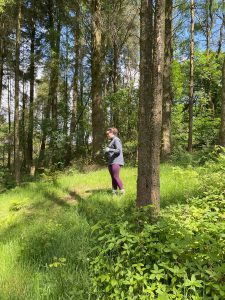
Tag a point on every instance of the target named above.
point(96, 89)
point(167, 88)
point(148, 191)
point(222, 125)
point(191, 83)
point(156, 106)
point(16, 114)
point(146, 41)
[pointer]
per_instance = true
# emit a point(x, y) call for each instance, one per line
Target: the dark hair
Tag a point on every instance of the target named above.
point(113, 130)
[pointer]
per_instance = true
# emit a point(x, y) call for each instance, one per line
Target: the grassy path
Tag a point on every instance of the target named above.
point(45, 229)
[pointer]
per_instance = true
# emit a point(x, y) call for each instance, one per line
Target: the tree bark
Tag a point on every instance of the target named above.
point(50, 110)
point(221, 32)
point(191, 82)
point(66, 94)
point(222, 124)
point(16, 113)
point(167, 88)
point(96, 88)
point(32, 79)
point(149, 183)
point(9, 123)
point(55, 30)
point(209, 24)
point(156, 109)
point(81, 104)
point(2, 55)
point(77, 38)
point(209, 27)
point(23, 125)
point(146, 43)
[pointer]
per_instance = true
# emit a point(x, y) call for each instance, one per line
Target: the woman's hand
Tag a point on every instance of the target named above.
point(106, 150)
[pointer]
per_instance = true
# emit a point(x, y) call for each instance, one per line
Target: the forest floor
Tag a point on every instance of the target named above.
point(45, 228)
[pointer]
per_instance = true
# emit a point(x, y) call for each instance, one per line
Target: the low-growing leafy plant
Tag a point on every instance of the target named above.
point(182, 256)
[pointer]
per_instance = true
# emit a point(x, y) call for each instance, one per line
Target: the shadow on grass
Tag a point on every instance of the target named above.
point(68, 235)
point(99, 191)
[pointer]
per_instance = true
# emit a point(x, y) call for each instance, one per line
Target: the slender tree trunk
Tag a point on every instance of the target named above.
point(45, 130)
point(209, 24)
point(115, 66)
point(191, 82)
point(221, 32)
point(222, 125)
point(167, 88)
point(16, 113)
point(146, 42)
point(66, 98)
point(209, 27)
point(50, 109)
point(96, 88)
point(115, 108)
point(23, 125)
point(9, 123)
point(77, 37)
point(55, 30)
point(77, 49)
point(2, 55)
point(81, 105)
point(32, 79)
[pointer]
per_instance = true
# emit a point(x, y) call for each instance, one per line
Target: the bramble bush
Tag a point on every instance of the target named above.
point(182, 256)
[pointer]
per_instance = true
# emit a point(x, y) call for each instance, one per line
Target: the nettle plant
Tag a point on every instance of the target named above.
point(180, 257)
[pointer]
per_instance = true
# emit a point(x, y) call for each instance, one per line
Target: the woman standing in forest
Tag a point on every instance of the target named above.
point(114, 152)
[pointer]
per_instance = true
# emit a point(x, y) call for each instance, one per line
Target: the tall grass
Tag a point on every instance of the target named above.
point(45, 228)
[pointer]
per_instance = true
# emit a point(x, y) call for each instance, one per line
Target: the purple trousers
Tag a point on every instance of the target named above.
point(114, 171)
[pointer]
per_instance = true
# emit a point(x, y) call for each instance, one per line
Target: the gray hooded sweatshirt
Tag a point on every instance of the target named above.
point(115, 154)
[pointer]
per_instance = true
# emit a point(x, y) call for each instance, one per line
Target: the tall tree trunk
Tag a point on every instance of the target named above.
point(156, 106)
point(77, 38)
point(66, 98)
point(23, 125)
point(146, 42)
point(221, 31)
point(2, 55)
point(148, 190)
point(81, 104)
point(45, 130)
point(96, 73)
point(222, 125)
point(55, 30)
point(32, 78)
point(50, 109)
point(77, 50)
point(115, 108)
point(115, 66)
point(16, 113)
point(209, 24)
point(9, 123)
point(167, 88)
point(191, 82)
point(54, 77)
point(209, 27)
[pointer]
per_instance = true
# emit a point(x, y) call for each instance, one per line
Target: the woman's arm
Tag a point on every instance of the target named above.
point(118, 146)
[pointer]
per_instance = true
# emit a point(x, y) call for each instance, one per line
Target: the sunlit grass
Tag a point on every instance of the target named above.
point(45, 228)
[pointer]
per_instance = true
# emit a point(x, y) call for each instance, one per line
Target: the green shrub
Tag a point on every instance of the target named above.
point(180, 257)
